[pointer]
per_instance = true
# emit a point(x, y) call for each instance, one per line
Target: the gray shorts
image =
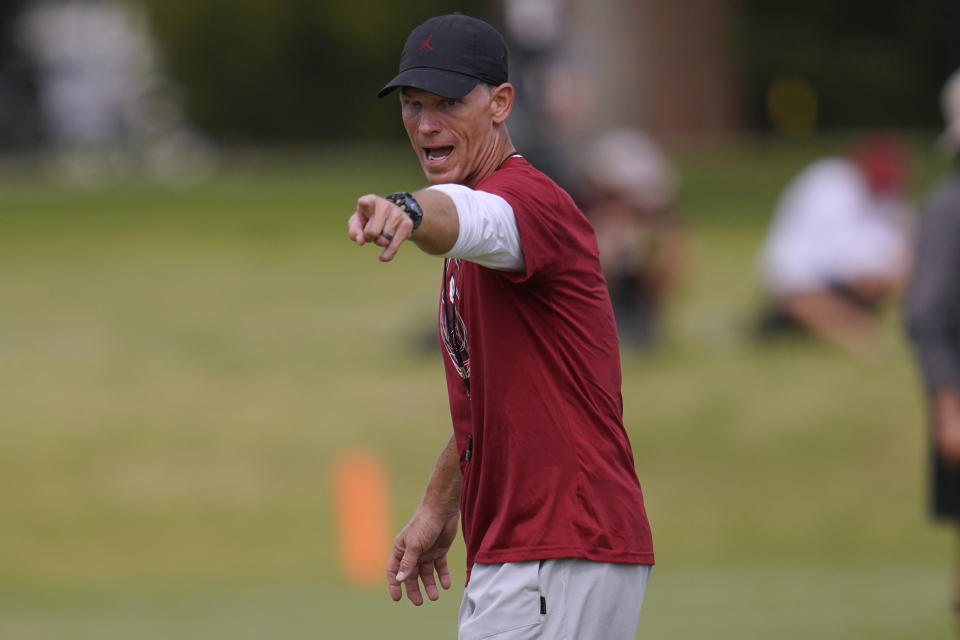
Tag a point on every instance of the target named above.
point(569, 598)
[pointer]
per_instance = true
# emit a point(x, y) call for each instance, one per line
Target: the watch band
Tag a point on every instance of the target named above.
point(410, 206)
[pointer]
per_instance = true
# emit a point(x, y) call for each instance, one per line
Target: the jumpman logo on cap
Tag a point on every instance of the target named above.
point(426, 44)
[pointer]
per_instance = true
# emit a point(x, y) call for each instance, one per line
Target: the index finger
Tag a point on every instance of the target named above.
point(358, 221)
point(355, 229)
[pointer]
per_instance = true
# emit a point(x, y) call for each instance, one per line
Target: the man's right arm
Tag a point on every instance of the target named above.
point(380, 221)
point(440, 227)
point(457, 222)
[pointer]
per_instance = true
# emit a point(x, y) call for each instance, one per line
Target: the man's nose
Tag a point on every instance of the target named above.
point(429, 123)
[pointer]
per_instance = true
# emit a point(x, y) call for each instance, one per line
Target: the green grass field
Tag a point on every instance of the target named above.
point(181, 368)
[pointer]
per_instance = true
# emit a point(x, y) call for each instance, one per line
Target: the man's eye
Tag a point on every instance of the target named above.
point(451, 102)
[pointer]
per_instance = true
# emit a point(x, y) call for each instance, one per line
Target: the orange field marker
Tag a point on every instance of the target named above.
point(362, 506)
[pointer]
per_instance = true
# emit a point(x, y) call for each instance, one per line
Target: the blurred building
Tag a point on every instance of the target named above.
point(667, 68)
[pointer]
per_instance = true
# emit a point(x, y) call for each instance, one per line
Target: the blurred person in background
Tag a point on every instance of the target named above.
point(105, 104)
point(554, 104)
point(539, 469)
point(838, 246)
point(629, 196)
point(932, 310)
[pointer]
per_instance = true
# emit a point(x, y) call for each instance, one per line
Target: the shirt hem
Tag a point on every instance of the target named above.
point(553, 553)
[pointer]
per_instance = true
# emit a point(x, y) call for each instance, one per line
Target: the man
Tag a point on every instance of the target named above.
point(837, 249)
point(539, 467)
point(933, 320)
point(630, 199)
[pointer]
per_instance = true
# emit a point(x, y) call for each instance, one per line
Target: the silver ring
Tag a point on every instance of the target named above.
point(387, 236)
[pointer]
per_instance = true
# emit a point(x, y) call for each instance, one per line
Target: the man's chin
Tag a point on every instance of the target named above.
point(435, 176)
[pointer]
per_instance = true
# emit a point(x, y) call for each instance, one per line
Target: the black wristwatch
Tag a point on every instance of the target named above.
point(411, 207)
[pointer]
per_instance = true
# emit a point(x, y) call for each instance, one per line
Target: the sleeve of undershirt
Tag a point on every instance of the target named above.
point(488, 229)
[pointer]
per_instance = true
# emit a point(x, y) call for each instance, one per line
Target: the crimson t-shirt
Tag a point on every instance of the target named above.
point(547, 466)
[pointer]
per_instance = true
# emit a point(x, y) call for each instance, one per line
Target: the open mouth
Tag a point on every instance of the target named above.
point(437, 154)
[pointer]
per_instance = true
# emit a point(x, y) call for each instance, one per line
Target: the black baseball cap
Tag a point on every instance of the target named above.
point(448, 55)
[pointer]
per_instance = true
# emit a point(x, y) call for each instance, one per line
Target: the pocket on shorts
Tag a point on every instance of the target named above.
point(502, 602)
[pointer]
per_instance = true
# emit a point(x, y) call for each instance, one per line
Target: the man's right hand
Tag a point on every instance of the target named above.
point(419, 551)
point(379, 221)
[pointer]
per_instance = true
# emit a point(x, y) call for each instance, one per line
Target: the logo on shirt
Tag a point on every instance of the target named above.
point(453, 330)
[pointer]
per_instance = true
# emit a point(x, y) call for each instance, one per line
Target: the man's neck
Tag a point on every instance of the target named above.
point(499, 151)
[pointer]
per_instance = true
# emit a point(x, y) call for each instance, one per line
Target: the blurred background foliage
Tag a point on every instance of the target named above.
point(302, 71)
point(292, 71)
point(872, 63)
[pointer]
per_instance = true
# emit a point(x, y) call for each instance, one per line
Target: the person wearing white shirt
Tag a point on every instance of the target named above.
point(838, 245)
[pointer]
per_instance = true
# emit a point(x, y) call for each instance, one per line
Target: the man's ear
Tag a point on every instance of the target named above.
point(501, 102)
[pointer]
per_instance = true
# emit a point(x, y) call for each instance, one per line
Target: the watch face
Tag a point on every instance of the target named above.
point(409, 205)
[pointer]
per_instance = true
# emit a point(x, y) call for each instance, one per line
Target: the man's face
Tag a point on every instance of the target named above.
point(453, 138)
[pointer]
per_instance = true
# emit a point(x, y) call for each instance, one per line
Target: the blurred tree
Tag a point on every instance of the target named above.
point(870, 64)
point(19, 121)
point(290, 70)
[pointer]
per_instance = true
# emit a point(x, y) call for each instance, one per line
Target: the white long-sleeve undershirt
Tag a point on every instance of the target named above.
point(488, 229)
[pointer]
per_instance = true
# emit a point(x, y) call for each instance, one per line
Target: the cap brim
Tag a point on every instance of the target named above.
point(448, 84)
